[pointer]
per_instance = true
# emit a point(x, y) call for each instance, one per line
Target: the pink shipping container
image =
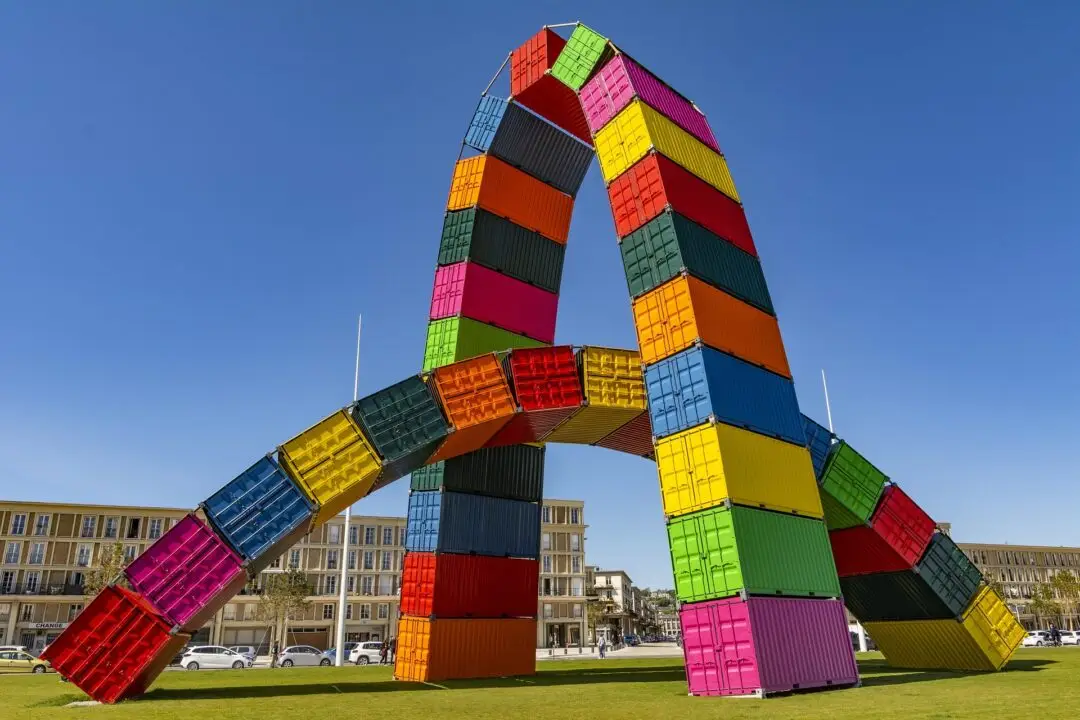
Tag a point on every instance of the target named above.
point(765, 645)
point(476, 292)
point(621, 80)
point(187, 574)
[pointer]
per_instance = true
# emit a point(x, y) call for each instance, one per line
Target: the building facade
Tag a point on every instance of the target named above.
point(615, 594)
point(561, 614)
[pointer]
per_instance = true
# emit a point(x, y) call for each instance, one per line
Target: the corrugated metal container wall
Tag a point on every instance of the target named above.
point(762, 646)
point(332, 462)
point(482, 294)
point(929, 645)
point(819, 441)
point(511, 133)
point(670, 244)
point(903, 524)
point(701, 383)
point(635, 437)
point(850, 488)
point(685, 310)
point(476, 397)
point(535, 88)
point(705, 465)
point(614, 395)
point(949, 573)
point(449, 586)
point(585, 51)
point(260, 513)
point(187, 574)
point(892, 596)
point(728, 550)
point(993, 626)
point(506, 191)
point(638, 129)
point(429, 477)
point(621, 80)
point(515, 472)
point(453, 339)
point(548, 389)
point(442, 649)
point(463, 523)
point(404, 422)
point(499, 244)
point(115, 647)
point(655, 183)
point(859, 550)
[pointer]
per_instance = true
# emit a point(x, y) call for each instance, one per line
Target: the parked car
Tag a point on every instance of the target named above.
point(202, 657)
point(1036, 638)
point(1070, 637)
point(21, 661)
point(16, 648)
point(332, 652)
point(366, 653)
point(302, 655)
point(246, 650)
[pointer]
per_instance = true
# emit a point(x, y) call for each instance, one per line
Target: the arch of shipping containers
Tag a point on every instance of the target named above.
point(771, 519)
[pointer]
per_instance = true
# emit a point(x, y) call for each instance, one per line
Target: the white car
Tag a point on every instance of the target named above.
point(1070, 637)
point(1036, 638)
point(203, 657)
point(365, 653)
point(246, 650)
point(302, 655)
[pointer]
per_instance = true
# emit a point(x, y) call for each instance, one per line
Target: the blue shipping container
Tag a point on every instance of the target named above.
point(695, 385)
point(485, 122)
point(819, 442)
point(260, 513)
point(472, 524)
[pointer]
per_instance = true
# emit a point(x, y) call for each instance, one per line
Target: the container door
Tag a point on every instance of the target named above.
point(723, 571)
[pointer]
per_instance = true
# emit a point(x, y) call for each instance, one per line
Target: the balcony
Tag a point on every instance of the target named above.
point(39, 589)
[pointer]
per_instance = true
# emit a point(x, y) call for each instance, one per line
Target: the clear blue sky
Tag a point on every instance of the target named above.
point(196, 199)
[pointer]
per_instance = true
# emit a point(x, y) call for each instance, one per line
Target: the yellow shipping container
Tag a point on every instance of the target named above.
point(614, 395)
point(638, 128)
point(333, 463)
point(993, 626)
point(706, 465)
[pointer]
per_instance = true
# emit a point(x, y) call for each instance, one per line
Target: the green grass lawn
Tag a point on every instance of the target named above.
point(1040, 683)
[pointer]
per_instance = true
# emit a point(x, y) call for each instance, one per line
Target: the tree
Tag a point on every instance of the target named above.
point(284, 597)
point(1043, 606)
point(594, 614)
point(108, 570)
point(1068, 589)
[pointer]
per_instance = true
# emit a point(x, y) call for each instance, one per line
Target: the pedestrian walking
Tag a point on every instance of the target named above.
point(383, 649)
point(603, 647)
point(393, 650)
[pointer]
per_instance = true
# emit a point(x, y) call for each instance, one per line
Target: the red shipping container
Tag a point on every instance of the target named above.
point(479, 293)
point(446, 585)
point(116, 647)
point(635, 437)
point(861, 551)
point(547, 388)
point(902, 524)
point(654, 183)
point(532, 86)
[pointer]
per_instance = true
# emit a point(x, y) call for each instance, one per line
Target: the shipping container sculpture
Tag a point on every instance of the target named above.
point(771, 518)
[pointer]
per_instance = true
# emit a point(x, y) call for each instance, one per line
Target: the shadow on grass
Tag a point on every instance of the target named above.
point(878, 673)
point(547, 678)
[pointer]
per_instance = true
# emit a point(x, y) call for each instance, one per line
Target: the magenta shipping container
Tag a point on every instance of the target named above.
point(476, 292)
point(187, 574)
point(621, 80)
point(766, 645)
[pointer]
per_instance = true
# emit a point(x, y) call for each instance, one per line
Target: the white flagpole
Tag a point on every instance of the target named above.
point(828, 408)
point(343, 585)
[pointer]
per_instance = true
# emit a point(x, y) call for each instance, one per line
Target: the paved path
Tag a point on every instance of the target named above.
point(641, 651)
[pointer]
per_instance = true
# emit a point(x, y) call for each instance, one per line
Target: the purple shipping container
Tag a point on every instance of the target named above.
point(621, 80)
point(765, 645)
point(187, 574)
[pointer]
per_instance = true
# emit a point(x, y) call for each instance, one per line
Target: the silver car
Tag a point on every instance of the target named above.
point(302, 655)
point(247, 651)
point(203, 657)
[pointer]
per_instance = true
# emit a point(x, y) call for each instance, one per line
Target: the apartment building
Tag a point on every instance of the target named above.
point(561, 609)
point(615, 593)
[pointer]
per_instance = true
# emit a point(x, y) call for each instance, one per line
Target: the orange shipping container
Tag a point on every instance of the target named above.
point(510, 193)
point(476, 397)
point(672, 317)
point(450, 648)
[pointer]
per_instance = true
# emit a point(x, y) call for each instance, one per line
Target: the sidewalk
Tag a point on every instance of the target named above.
point(641, 651)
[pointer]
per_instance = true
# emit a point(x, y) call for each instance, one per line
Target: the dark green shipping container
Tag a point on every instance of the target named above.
point(850, 488)
point(515, 472)
point(404, 422)
point(669, 244)
point(499, 244)
point(732, 550)
point(902, 595)
point(949, 573)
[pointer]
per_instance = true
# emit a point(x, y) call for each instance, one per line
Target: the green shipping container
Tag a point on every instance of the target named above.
point(404, 422)
point(585, 52)
point(850, 488)
point(458, 338)
point(515, 472)
point(429, 477)
point(670, 244)
point(733, 550)
point(494, 242)
point(949, 573)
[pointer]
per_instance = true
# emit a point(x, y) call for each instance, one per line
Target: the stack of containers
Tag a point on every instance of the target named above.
point(911, 587)
point(749, 548)
point(469, 586)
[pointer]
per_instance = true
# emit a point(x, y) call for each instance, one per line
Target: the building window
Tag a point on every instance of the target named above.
point(331, 559)
point(348, 612)
point(41, 525)
point(369, 559)
point(388, 536)
point(547, 610)
point(27, 613)
point(547, 513)
point(230, 611)
point(331, 584)
point(367, 585)
point(575, 543)
point(369, 535)
point(386, 585)
point(577, 587)
point(576, 610)
point(84, 555)
point(134, 525)
point(546, 544)
point(155, 528)
point(328, 612)
point(276, 563)
point(11, 553)
point(89, 524)
point(354, 535)
point(111, 525)
point(7, 582)
point(32, 582)
point(387, 560)
point(333, 534)
point(401, 537)
point(18, 524)
point(130, 551)
point(294, 559)
point(547, 563)
point(575, 516)
point(351, 584)
point(384, 611)
point(575, 564)
point(352, 559)
point(37, 554)
point(365, 612)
